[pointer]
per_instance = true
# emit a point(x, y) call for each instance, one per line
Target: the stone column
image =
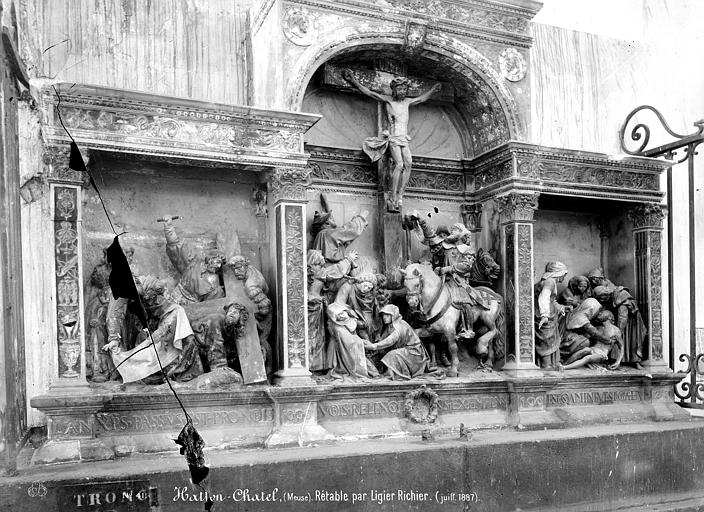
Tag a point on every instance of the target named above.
point(296, 394)
point(516, 211)
point(287, 191)
point(66, 190)
point(647, 241)
point(70, 407)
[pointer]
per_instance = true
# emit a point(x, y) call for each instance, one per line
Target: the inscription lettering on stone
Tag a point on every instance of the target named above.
point(593, 397)
point(370, 408)
point(385, 408)
point(471, 403)
point(70, 427)
point(531, 401)
point(125, 495)
point(147, 422)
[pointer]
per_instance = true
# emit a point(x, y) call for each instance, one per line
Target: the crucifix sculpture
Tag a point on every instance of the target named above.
point(395, 139)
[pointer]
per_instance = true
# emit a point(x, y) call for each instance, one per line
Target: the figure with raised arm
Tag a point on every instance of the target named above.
point(395, 139)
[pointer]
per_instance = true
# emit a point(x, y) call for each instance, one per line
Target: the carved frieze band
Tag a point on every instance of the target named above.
point(647, 216)
point(480, 18)
point(295, 286)
point(546, 170)
point(68, 280)
point(289, 183)
point(517, 206)
point(353, 173)
point(129, 121)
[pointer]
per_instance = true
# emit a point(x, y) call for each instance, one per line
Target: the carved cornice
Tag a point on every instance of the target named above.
point(647, 216)
point(517, 206)
point(501, 22)
point(517, 165)
point(288, 184)
point(123, 121)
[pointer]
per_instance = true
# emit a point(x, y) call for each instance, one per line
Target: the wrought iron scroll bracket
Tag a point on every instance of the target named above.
point(690, 391)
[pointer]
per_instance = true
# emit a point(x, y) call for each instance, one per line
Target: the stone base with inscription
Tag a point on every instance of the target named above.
point(122, 423)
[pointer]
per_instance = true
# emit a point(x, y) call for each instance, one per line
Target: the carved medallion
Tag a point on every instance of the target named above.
point(300, 26)
point(512, 65)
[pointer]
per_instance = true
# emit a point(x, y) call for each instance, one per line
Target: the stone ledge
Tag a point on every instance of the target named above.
point(142, 421)
point(175, 129)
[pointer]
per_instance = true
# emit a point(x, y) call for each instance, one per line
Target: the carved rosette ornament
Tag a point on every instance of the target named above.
point(289, 184)
point(517, 211)
point(512, 65)
point(647, 222)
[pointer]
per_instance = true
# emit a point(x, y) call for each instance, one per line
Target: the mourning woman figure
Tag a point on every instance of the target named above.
point(621, 303)
point(577, 290)
point(346, 355)
point(548, 313)
point(408, 357)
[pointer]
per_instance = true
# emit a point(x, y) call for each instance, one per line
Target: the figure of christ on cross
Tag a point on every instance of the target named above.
point(396, 139)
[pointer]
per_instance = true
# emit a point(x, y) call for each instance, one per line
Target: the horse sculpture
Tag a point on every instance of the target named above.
point(427, 292)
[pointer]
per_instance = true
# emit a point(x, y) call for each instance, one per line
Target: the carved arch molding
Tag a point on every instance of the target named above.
point(487, 104)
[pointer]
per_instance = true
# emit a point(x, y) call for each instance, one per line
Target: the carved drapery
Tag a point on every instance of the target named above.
point(647, 222)
point(287, 190)
point(516, 211)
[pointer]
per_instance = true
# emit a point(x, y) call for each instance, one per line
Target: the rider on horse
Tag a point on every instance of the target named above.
point(453, 259)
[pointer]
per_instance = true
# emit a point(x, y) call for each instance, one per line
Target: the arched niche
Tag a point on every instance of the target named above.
point(481, 116)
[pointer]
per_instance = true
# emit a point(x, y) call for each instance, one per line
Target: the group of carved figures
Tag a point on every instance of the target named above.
point(592, 321)
point(359, 324)
point(196, 326)
point(355, 323)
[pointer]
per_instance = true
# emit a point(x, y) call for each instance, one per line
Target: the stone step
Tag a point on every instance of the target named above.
point(669, 502)
point(625, 467)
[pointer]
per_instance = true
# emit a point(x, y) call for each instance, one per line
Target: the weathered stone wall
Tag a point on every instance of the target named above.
point(211, 202)
point(192, 49)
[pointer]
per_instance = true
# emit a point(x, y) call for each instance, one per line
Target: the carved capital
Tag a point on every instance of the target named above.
point(647, 216)
point(56, 159)
point(472, 216)
point(517, 206)
point(289, 183)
